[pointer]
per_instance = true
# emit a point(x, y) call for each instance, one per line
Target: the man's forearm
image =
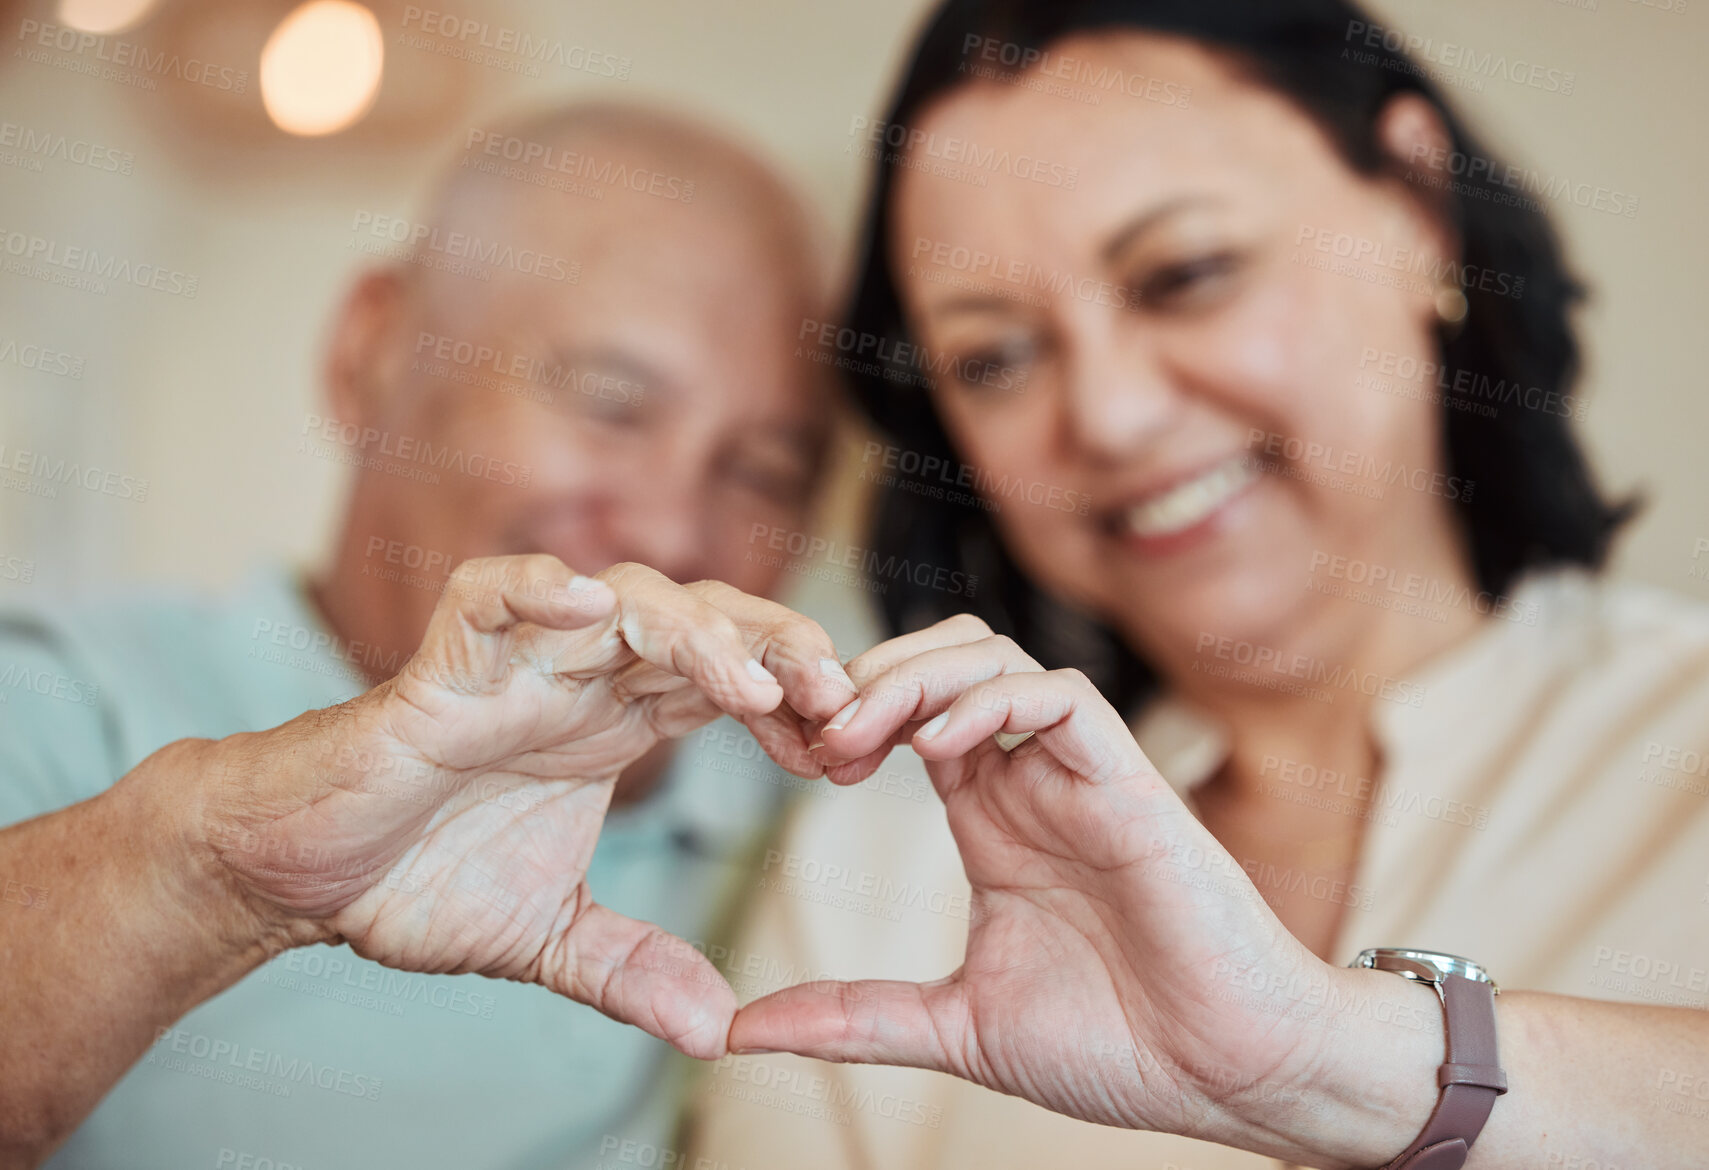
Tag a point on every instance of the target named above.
point(125, 926)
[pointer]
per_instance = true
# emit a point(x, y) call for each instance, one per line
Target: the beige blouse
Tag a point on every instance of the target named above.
point(1544, 810)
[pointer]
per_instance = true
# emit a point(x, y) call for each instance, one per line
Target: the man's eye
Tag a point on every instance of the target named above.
point(788, 482)
point(1188, 284)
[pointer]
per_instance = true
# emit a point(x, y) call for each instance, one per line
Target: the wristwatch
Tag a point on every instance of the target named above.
point(1471, 1076)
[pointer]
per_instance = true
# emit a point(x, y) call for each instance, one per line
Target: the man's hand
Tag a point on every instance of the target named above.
point(1111, 933)
point(444, 821)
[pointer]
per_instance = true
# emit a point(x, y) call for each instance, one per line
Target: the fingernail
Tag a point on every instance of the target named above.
point(930, 730)
point(815, 745)
point(759, 673)
point(831, 668)
point(841, 719)
point(1010, 740)
point(753, 1052)
point(581, 584)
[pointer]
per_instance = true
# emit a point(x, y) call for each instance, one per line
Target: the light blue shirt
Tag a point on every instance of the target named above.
point(322, 1060)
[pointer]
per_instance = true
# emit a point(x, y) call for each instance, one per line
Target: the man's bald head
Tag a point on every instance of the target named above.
point(593, 184)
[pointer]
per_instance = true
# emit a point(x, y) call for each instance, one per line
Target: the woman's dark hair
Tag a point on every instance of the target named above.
point(1511, 365)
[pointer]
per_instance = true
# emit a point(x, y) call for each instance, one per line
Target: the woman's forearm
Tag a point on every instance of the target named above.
point(118, 924)
point(1592, 1085)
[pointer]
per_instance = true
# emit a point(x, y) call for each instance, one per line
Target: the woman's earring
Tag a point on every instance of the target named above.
point(1451, 305)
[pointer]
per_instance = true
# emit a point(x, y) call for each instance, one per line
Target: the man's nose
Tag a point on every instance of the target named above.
point(661, 523)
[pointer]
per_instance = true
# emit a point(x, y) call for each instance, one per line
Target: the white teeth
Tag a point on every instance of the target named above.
point(1187, 504)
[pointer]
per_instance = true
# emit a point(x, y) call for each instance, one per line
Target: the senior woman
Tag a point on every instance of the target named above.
point(1221, 271)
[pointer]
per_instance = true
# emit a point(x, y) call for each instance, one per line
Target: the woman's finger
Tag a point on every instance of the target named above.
point(1067, 715)
point(918, 688)
point(952, 631)
point(872, 1021)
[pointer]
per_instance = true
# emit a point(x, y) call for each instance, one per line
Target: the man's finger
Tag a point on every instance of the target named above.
point(638, 974)
point(873, 1021)
point(792, 646)
point(469, 637)
point(676, 631)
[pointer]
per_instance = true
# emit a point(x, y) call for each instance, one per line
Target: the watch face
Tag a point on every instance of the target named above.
point(1425, 966)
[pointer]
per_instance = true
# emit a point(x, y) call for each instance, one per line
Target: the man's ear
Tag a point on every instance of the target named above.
point(368, 355)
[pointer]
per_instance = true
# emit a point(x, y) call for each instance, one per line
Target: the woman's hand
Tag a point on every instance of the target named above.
point(1120, 966)
point(444, 821)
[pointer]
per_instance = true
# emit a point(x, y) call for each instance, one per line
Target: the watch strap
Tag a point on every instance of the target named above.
point(1471, 1079)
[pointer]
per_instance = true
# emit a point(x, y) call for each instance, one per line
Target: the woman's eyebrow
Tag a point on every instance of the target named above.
point(1136, 227)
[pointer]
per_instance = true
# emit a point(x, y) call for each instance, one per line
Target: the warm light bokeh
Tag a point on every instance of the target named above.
point(104, 16)
point(321, 68)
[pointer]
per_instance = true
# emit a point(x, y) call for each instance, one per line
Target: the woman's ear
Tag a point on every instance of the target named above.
point(366, 356)
point(1412, 133)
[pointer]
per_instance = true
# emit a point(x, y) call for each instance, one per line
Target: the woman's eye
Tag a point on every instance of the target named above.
point(1187, 284)
point(999, 364)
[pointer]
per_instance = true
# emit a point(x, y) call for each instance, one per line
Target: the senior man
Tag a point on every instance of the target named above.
point(584, 360)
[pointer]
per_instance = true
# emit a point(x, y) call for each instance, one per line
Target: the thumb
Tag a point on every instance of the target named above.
point(639, 974)
point(873, 1021)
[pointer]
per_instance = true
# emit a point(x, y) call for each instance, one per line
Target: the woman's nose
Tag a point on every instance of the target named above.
point(1119, 399)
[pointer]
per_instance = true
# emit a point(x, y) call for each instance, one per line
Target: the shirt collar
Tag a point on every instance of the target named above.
point(1512, 654)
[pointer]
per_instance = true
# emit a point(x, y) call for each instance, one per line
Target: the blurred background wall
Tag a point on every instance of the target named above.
point(205, 396)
